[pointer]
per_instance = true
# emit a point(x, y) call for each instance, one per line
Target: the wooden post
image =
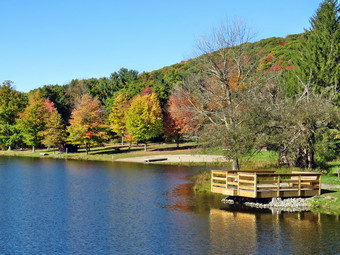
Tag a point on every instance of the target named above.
point(255, 184)
point(238, 183)
point(211, 176)
point(299, 187)
point(319, 179)
point(278, 186)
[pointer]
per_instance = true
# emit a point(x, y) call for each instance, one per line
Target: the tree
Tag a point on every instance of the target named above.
point(179, 120)
point(319, 54)
point(117, 115)
point(12, 103)
point(55, 132)
point(62, 101)
point(291, 125)
point(144, 118)
point(32, 121)
point(228, 69)
point(87, 124)
point(171, 130)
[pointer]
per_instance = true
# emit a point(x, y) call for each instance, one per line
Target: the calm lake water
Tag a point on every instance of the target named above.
point(77, 207)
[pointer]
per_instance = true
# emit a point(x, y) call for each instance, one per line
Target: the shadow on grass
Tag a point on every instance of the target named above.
point(114, 151)
point(332, 166)
point(325, 191)
point(175, 148)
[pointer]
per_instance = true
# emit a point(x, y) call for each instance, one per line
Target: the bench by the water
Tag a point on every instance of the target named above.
point(154, 160)
point(265, 184)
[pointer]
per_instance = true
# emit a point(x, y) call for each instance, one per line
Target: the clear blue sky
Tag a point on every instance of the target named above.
point(54, 41)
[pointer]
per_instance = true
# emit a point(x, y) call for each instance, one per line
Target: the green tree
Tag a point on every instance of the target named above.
point(144, 118)
point(32, 121)
point(12, 103)
point(57, 94)
point(55, 132)
point(319, 55)
point(87, 124)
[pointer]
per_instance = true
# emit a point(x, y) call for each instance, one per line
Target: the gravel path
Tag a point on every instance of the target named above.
point(330, 186)
point(176, 158)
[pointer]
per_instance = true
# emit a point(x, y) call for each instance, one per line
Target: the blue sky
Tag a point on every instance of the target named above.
point(54, 41)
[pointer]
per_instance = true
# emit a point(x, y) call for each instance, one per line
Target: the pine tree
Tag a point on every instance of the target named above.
point(319, 58)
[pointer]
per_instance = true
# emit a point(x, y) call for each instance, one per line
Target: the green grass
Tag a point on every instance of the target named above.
point(327, 203)
point(202, 181)
point(332, 177)
point(109, 152)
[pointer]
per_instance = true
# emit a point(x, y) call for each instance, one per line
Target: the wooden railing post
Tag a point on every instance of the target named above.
point(278, 186)
point(211, 180)
point(255, 184)
point(299, 188)
point(238, 183)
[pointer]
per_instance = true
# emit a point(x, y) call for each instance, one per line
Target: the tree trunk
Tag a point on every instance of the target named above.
point(177, 141)
point(311, 161)
point(33, 149)
point(122, 140)
point(310, 151)
point(130, 145)
point(145, 146)
point(9, 147)
point(236, 165)
point(87, 149)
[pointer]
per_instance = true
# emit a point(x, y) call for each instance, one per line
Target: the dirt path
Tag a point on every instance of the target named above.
point(330, 186)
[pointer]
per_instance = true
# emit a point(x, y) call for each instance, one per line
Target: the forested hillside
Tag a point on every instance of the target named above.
point(281, 93)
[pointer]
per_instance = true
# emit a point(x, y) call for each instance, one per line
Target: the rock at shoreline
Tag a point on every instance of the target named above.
point(278, 205)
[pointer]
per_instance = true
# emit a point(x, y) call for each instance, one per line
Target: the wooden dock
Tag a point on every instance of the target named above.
point(265, 184)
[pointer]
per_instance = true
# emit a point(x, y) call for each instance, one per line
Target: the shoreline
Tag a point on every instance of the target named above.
point(328, 202)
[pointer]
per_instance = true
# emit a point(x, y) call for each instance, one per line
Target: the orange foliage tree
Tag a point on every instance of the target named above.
point(87, 125)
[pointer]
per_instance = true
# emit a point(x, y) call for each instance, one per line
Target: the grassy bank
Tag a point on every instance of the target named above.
point(110, 152)
point(328, 202)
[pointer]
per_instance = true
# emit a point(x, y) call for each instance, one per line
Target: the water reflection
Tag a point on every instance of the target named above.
point(79, 207)
point(236, 229)
point(241, 231)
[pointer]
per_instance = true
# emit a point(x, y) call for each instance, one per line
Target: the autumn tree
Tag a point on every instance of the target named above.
point(12, 103)
point(179, 120)
point(87, 125)
point(55, 132)
point(116, 118)
point(144, 118)
point(32, 120)
point(228, 69)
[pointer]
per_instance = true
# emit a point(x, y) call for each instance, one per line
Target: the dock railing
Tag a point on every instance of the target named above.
point(265, 184)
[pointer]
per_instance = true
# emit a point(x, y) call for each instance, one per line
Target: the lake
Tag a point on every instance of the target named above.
point(79, 207)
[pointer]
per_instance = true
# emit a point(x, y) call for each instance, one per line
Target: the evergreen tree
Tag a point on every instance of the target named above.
point(319, 58)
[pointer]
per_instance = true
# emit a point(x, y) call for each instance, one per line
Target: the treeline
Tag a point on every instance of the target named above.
point(280, 93)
